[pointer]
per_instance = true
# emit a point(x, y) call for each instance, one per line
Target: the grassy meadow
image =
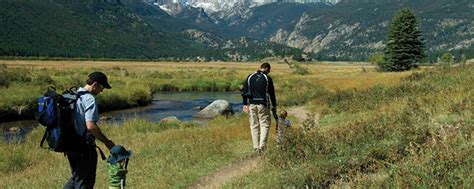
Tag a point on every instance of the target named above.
point(407, 129)
point(416, 133)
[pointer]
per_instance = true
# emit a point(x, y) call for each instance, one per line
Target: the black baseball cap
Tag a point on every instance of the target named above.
point(100, 78)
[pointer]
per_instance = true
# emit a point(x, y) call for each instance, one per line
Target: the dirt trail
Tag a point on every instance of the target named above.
point(227, 173)
point(299, 112)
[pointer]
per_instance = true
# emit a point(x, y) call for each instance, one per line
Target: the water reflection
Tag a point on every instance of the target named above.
point(14, 132)
point(183, 105)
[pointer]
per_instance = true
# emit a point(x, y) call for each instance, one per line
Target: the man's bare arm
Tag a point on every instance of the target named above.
point(95, 130)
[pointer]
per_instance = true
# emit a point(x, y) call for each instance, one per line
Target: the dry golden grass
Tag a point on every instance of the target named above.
point(129, 65)
point(349, 76)
point(222, 76)
point(333, 76)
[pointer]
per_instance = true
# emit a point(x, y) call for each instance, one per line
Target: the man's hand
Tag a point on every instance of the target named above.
point(245, 108)
point(93, 129)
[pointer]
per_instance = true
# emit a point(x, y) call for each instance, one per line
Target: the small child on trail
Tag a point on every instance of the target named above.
point(117, 164)
point(282, 125)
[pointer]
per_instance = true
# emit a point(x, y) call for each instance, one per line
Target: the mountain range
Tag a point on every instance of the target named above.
point(141, 29)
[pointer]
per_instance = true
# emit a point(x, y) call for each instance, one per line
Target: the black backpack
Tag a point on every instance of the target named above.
point(55, 112)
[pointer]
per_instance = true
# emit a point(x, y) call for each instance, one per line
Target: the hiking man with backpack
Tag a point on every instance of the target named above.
point(258, 94)
point(83, 161)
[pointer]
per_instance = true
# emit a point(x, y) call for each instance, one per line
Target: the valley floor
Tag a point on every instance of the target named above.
point(370, 129)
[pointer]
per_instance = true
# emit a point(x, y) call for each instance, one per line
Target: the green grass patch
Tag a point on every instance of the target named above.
point(165, 155)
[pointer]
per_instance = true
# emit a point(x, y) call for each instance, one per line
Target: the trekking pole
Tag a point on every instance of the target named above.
point(275, 116)
point(274, 112)
point(126, 163)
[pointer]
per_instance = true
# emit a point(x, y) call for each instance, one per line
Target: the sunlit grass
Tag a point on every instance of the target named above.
point(417, 133)
point(134, 82)
point(408, 129)
point(164, 154)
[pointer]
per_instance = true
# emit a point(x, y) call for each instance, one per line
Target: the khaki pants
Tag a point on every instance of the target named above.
point(259, 116)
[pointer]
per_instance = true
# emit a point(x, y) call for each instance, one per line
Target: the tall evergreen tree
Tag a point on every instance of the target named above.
point(404, 43)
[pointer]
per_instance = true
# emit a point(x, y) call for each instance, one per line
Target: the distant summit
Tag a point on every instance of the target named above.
point(213, 6)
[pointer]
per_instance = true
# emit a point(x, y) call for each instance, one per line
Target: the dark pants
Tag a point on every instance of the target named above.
point(83, 169)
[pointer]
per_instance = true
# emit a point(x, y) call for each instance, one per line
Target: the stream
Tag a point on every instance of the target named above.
point(182, 105)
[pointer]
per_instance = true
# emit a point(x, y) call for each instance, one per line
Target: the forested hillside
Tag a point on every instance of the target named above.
point(355, 30)
point(83, 29)
point(105, 29)
point(134, 29)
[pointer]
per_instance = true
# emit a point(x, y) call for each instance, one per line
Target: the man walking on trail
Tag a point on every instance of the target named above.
point(83, 162)
point(258, 94)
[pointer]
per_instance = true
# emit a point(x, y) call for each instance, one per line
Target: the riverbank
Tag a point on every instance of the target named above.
point(22, 82)
point(180, 105)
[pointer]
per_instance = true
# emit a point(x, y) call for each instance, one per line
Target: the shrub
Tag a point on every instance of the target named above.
point(447, 59)
point(7, 76)
point(140, 98)
point(4, 80)
point(44, 79)
point(376, 58)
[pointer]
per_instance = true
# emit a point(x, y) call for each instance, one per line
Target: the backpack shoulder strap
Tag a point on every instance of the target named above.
point(80, 93)
point(250, 76)
point(266, 78)
point(102, 156)
point(42, 140)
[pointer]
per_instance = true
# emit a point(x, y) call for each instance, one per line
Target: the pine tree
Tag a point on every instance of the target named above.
point(404, 43)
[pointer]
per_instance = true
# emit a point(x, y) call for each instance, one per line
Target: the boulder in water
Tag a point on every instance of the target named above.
point(14, 130)
point(216, 108)
point(198, 108)
point(170, 119)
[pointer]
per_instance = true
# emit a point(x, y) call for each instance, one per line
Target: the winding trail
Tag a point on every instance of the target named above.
point(299, 112)
point(225, 174)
